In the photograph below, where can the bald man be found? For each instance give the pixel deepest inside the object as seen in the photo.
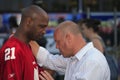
(78, 60)
(16, 59)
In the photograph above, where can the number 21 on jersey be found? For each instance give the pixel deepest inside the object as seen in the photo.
(9, 53)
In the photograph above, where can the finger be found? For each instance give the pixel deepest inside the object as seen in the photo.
(50, 77)
(41, 77)
(45, 75)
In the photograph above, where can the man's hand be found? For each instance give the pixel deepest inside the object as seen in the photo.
(45, 76)
(35, 47)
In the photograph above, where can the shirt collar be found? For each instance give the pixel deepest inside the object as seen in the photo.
(83, 51)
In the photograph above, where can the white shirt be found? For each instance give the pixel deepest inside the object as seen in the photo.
(87, 64)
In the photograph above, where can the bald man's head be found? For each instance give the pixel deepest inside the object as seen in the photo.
(33, 22)
(68, 26)
(67, 35)
(32, 11)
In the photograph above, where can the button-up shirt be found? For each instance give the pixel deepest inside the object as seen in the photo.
(88, 64)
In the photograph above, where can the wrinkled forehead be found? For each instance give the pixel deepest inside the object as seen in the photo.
(57, 34)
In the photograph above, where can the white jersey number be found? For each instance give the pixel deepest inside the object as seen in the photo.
(9, 53)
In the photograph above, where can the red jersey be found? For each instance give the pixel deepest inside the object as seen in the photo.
(17, 61)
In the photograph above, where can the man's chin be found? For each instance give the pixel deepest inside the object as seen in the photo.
(65, 56)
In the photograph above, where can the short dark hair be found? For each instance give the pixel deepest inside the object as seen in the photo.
(92, 23)
(13, 22)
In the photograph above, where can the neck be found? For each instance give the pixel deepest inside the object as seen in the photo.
(21, 36)
(79, 44)
(93, 35)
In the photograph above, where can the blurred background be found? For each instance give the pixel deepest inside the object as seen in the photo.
(107, 11)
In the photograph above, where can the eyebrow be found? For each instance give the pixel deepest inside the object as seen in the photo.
(42, 25)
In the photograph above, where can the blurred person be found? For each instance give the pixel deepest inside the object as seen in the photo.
(16, 58)
(90, 30)
(13, 24)
(79, 60)
(118, 34)
(61, 19)
(3, 27)
(1, 24)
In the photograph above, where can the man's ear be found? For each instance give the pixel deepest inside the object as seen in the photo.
(29, 21)
(68, 37)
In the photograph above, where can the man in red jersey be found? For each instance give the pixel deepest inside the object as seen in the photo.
(16, 59)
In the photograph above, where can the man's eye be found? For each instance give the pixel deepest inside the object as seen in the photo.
(42, 26)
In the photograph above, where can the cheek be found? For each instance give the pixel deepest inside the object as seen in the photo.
(62, 47)
(65, 47)
(85, 32)
(42, 31)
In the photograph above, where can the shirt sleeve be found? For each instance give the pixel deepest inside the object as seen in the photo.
(53, 62)
(12, 65)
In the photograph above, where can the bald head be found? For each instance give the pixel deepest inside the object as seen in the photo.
(67, 35)
(33, 23)
(68, 26)
(32, 11)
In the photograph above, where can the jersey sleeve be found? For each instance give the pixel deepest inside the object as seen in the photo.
(12, 66)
